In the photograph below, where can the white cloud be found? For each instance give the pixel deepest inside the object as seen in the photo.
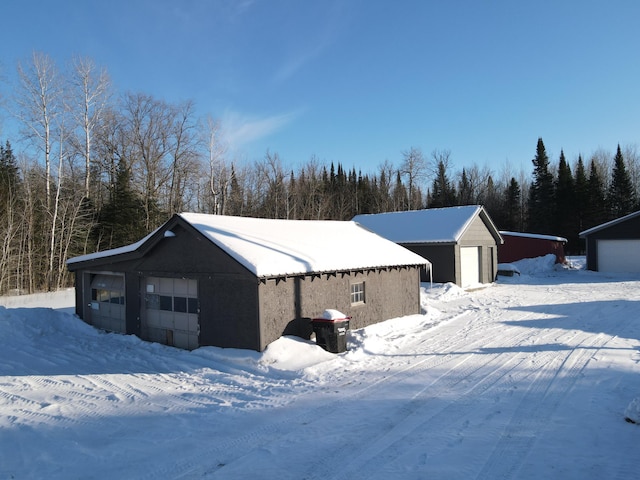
(239, 130)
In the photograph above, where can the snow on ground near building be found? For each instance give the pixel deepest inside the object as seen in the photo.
(529, 378)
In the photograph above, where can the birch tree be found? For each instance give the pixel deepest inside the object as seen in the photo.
(88, 101)
(39, 102)
(220, 177)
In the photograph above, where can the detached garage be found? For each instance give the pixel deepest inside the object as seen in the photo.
(460, 242)
(243, 282)
(614, 246)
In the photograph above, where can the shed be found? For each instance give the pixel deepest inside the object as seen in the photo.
(460, 242)
(614, 246)
(244, 282)
(518, 245)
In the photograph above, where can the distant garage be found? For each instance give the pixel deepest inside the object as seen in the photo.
(614, 246)
(460, 242)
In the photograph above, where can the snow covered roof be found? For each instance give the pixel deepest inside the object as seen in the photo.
(114, 251)
(534, 235)
(609, 224)
(433, 225)
(269, 247)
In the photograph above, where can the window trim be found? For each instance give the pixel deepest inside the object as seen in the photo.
(357, 293)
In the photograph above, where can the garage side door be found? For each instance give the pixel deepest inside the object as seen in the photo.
(171, 312)
(619, 255)
(469, 265)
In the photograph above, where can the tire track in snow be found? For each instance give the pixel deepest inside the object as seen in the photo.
(350, 393)
(319, 468)
(472, 334)
(422, 416)
(536, 407)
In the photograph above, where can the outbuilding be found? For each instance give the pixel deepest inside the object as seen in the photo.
(518, 246)
(614, 246)
(244, 282)
(460, 242)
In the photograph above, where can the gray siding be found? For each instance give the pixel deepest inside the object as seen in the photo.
(229, 313)
(477, 234)
(442, 258)
(288, 305)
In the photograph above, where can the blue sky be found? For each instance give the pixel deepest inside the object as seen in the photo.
(359, 82)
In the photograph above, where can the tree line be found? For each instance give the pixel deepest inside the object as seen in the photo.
(100, 170)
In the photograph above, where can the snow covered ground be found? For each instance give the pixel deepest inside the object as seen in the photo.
(529, 378)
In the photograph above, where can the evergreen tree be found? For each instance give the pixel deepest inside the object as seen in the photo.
(9, 176)
(443, 194)
(465, 192)
(235, 195)
(581, 189)
(596, 212)
(513, 207)
(621, 195)
(541, 198)
(493, 202)
(121, 220)
(400, 196)
(565, 213)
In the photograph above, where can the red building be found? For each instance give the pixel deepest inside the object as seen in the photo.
(517, 246)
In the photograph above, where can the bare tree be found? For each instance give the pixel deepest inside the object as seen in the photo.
(414, 169)
(386, 174)
(219, 175)
(184, 156)
(39, 102)
(148, 123)
(88, 101)
(271, 186)
(632, 159)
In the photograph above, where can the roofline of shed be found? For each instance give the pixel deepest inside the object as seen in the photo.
(611, 223)
(340, 272)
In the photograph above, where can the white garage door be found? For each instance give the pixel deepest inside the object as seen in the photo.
(619, 255)
(469, 265)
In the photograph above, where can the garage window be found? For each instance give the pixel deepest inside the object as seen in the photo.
(170, 303)
(357, 293)
(107, 289)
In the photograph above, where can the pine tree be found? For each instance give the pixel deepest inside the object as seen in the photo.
(121, 220)
(9, 177)
(565, 214)
(235, 195)
(465, 192)
(581, 189)
(513, 207)
(400, 196)
(621, 195)
(596, 212)
(443, 194)
(8, 168)
(541, 198)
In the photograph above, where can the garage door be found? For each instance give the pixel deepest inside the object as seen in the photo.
(619, 255)
(107, 308)
(171, 312)
(469, 265)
